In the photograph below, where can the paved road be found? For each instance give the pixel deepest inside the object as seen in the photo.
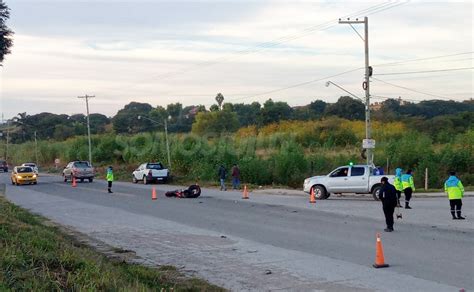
(270, 242)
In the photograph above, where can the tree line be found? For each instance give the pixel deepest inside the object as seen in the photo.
(438, 118)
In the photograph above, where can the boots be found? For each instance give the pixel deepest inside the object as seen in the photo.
(407, 206)
(110, 191)
(454, 215)
(459, 216)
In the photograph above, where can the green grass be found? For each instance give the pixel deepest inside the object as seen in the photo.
(36, 256)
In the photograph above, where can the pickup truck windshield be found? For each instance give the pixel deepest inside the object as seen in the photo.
(24, 169)
(157, 166)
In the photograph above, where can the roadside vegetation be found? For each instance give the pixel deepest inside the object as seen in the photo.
(35, 256)
(273, 144)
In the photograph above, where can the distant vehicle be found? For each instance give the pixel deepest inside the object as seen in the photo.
(151, 172)
(23, 175)
(3, 165)
(79, 170)
(32, 165)
(346, 179)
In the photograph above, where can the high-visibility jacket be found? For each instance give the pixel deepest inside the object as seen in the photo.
(397, 181)
(454, 188)
(407, 181)
(110, 175)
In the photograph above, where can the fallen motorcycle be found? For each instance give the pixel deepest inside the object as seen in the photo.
(193, 191)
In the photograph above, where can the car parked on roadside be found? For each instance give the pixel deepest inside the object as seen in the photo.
(151, 172)
(3, 166)
(23, 175)
(80, 170)
(32, 165)
(359, 179)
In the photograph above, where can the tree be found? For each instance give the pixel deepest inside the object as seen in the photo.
(317, 108)
(126, 120)
(348, 108)
(6, 40)
(220, 99)
(247, 113)
(274, 112)
(215, 123)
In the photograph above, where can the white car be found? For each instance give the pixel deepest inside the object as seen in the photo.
(358, 179)
(150, 172)
(32, 165)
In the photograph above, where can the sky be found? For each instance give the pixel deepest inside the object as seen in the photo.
(163, 52)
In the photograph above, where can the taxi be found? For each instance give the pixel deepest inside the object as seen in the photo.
(23, 175)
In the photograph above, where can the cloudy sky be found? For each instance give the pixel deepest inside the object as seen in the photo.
(187, 51)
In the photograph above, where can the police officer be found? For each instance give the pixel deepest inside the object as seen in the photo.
(397, 182)
(408, 187)
(455, 190)
(388, 196)
(110, 178)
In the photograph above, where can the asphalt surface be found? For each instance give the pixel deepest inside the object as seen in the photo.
(269, 242)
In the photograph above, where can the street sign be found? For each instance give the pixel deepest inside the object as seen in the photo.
(368, 143)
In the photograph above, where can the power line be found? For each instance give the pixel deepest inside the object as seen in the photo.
(427, 71)
(421, 59)
(413, 90)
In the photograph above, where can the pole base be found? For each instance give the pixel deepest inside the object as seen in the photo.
(380, 266)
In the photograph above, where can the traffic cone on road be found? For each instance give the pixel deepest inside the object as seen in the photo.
(379, 258)
(245, 194)
(312, 198)
(74, 184)
(153, 194)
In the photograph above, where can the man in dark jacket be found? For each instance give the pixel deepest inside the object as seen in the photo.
(388, 196)
(222, 176)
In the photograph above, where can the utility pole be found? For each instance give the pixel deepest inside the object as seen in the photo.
(366, 84)
(86, 97)
(167, 144)
(36, 150)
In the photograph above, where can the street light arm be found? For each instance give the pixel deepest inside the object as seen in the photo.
(151, 120)
(330, 82)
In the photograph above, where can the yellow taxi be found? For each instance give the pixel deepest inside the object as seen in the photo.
(23, 175)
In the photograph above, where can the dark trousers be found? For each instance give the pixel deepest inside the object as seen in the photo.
(399, 195)
(109, 183)
(388, 209)
(456, 205)
(408, 192)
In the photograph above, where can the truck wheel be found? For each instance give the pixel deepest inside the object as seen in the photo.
(376, 191)
(82, 180)
(65, 178)
(91, 179)
(320, 192)
(134, 180)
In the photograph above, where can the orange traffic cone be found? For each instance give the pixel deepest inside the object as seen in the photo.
(153, 194)
(379, 258)
(245, 194)
(74, 184)
(312, 198)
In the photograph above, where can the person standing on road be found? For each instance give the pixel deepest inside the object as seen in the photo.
(235, 177)
(388, 196)
(397, 182)
(222, 175)
(110, 179)
(408, 187)
(455, 190)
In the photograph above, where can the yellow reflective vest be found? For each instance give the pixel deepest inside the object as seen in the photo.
(454, 188)
(407, 181)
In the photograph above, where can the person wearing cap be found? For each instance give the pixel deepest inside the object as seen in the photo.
(455, 190)
(110, 178)
(408, 187)
(388, 196)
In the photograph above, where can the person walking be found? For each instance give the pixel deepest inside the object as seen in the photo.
(388, 196)
(397, 183)
(235, 177)
(408, 187)
(455, 190)
(110, 179)
(222, 175)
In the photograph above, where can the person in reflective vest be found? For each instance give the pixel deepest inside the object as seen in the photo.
(455, 190)
(408, 187)
(397, 183)
(110, 179)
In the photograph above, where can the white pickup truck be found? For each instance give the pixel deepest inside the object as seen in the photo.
(346, 179)
(150, 172)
